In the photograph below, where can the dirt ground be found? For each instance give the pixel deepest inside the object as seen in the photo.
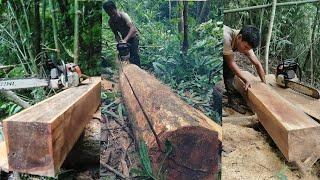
(248, 151)
(118, 151)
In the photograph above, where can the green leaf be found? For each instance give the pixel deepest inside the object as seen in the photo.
(11, 109)
(120, 111)
(144, 157)
(17, 109)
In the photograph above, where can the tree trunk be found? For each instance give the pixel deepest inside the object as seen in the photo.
(205, 11)
(273, 12)
(37, 28)
(185, 44)
(158, 115)
(43, 24)
(312, 45)
(63, 5)
(55, 33)
(180, 25)
(169, 4)
(29, 39)
(16, 99)
(76, 32)
(260, 31)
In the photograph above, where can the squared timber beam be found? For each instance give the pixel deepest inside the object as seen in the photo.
(39, 138)
(295, 133)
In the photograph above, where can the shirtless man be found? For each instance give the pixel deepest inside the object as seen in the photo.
(122, 25)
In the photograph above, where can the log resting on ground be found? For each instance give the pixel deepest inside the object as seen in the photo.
(195, 138)
(295, 133)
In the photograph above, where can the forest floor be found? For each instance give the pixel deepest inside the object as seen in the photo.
(248, 151)
(119, 154)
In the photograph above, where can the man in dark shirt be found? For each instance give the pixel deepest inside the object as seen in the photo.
(122, 25)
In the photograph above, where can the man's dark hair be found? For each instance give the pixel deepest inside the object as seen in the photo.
(251, 35)
(109, 5)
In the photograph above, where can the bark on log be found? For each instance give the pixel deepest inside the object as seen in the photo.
(39, 138)
(295, 133)
(195, 138)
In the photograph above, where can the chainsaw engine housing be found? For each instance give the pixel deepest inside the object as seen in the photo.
(124, 51)
(288, 70)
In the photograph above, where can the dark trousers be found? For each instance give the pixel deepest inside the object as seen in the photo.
(134, 51)
(217, 100)
(228, 77)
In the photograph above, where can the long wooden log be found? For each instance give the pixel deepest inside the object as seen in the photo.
(295, 133)
(309, 105)
(39, 138)
(158, 114)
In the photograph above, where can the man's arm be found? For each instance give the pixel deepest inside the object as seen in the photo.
(237, 71)
(132, 32)
(254, 60)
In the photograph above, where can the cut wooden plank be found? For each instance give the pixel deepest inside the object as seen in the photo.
(195, 138)
(39, 138)
(3, 157)
(309, 105)
(295, 133)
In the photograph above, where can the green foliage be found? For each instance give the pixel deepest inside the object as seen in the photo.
(10, 108)
(147, 172)
(281, 174)
(18, 42)
(192, 75)
(291, 31)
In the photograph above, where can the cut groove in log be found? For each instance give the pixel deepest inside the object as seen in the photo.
(39, 138)
(195, 138)
(295, 133)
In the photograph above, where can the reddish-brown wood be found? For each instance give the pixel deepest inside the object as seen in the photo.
(295, 133)
(196, 139)
(39, 138)
(309, 105)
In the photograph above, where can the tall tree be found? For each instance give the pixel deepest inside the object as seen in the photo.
(63, 5)
(76, 32)
(273, 13)
(185, 44)
(37, 27)
(205, 11)
(55, 32)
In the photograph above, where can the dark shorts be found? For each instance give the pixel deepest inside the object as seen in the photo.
(134, 51)
(228, 78)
